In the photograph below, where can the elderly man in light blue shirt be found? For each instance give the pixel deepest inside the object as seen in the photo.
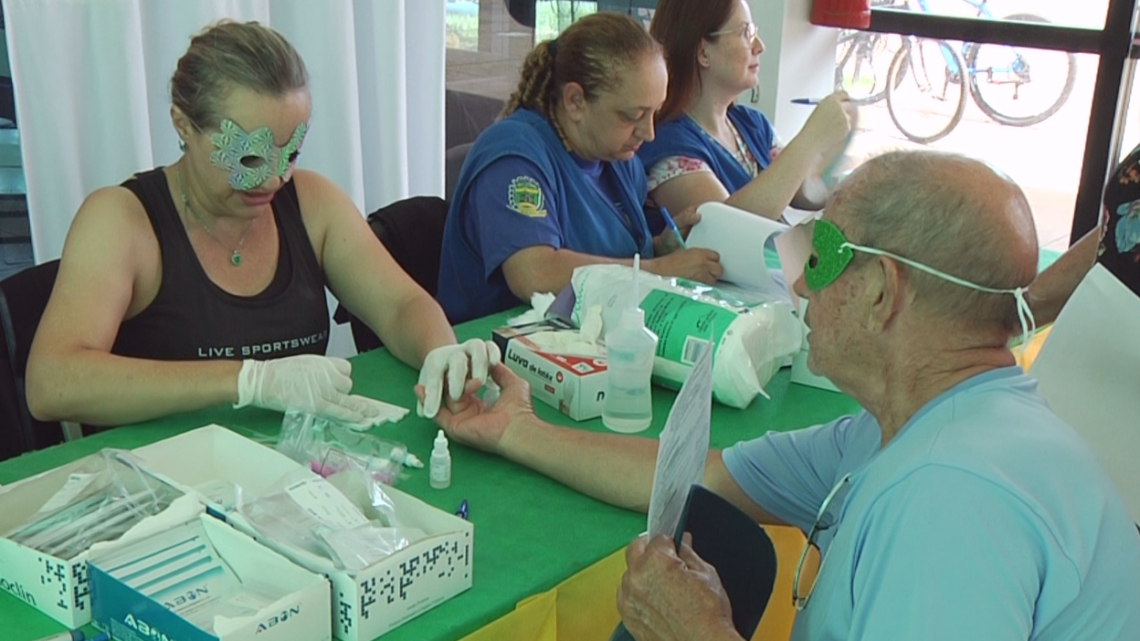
(956, 506)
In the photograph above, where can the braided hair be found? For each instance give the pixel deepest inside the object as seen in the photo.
(591, 52)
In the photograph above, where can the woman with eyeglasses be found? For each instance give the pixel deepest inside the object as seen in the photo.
(556, 184)
(708, 148)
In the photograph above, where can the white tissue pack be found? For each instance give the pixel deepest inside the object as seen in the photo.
(565, 369)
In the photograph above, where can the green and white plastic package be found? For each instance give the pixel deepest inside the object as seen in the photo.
(750, 342)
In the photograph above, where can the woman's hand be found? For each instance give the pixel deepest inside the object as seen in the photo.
(829, 125)
(695, 263)
(482, 425)
(464, 367)
(666, 242)
(829, 131)
(686, 219)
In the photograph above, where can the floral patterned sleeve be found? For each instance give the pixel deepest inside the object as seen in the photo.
(777, 146)
(669, 168)
(1120, 240)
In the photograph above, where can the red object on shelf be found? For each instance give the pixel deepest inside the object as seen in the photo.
(849, 14)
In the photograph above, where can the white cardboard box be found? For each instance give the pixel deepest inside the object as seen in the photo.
(574, 385)
(56, 586)
(367, 603)
(128, 615)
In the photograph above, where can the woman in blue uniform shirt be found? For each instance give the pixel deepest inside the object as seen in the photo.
(556, 184)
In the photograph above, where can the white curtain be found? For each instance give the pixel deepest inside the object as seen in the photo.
(92, 93)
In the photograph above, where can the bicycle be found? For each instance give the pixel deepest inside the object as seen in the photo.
(862, 59)
(926, 95)
(988, 69)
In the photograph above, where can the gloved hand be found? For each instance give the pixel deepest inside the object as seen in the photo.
(308, 383)
(455, 362)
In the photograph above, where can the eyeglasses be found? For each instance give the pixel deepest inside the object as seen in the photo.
(747, 31)
(800, 602)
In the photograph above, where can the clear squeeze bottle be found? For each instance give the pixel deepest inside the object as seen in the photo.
(630, 347)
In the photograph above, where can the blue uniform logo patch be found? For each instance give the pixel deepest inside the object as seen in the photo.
(524, 196)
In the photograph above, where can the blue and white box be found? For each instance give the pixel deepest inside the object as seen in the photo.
(57, 585)
(205, 581)
(366, 603)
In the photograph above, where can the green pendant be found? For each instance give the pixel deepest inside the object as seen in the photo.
(236, 259)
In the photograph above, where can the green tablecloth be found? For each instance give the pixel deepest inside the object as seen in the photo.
(530, 532)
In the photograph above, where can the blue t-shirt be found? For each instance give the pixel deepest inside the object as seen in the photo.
(986, 517)
(520, 188)
(682, 136)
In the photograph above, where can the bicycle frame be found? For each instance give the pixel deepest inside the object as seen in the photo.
(976, 67)
(1016, 66)
(980, 5)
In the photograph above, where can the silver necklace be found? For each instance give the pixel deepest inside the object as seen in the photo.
(235, 252)
(742, 150)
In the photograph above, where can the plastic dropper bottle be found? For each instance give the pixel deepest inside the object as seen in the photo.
(630, 348)
(440, 473)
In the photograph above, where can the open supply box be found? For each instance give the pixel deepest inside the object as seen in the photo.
(366, 603)
(573, 384)
(205, 581)
(57, 584)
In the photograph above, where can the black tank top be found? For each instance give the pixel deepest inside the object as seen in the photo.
(191, 318)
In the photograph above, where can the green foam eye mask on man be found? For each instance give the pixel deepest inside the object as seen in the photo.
(832, 255)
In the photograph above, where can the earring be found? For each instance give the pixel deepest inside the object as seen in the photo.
(181, 145)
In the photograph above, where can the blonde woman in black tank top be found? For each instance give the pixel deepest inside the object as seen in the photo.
(202, 283)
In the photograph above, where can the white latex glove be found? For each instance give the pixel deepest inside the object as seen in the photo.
(455, 362)
(308, 383)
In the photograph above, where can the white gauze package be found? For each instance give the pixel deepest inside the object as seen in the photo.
(750, 342)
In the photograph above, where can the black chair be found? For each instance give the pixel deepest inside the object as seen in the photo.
(23, 298)
(412, 231)
(740, 550)
(453, 164)
(467, 115)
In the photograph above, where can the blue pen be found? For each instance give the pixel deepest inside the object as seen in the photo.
(462, 511)
(672, 225)
(805, 101)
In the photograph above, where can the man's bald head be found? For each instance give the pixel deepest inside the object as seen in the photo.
(949, 212)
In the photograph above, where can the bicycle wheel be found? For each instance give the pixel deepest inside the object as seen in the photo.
(862, 61)
(1020, 86)
(925, 93)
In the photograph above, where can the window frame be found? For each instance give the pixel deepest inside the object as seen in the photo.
(1116, 45)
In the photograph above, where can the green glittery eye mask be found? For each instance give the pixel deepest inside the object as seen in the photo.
(833, 253)
(252, 158)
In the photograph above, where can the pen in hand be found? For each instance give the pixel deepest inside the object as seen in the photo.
(673, 226)
(805, 101)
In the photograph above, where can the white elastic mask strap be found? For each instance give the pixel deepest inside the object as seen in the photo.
(1024, 314)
